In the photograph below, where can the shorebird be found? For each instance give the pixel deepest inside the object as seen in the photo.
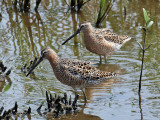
(73, 72)
(100, 41)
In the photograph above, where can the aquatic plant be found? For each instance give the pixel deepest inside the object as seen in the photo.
(76, 5)
(26, 67)
(125, 7)
(24, 5)
(37, 4)
(148, 24)
(13, 113)
(3, 70)
(104, 9)
(4, 75)
(57, 106)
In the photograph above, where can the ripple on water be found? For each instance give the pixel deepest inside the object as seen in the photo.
(24, 35)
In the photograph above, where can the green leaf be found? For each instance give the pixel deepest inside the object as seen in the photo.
(149, 24)
(146, 18)
(102, 4)
(7, 87)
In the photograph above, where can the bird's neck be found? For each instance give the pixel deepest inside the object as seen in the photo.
(88, 35)
(89, 30)
(53, 59)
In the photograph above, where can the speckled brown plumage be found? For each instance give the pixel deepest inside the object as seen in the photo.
(100, 41)
(74, 72)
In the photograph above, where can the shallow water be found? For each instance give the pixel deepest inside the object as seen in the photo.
(24, 35)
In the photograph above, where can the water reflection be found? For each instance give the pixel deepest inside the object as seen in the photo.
(140, 106)
(77, 116)
(81, 116)
(91, 89)
(23, 35)
(24, 27)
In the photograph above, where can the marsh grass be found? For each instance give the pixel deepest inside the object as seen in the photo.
(76, 5)
(104, 9)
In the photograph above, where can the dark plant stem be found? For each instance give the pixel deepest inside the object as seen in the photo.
(79, 4)
(143, 52)
(66, 3)
(105, 13)
(86, 2)
(140, 106)
(73, 3)
(15, 3)
(37, 4)
(125, 11)
(21, 5)
(26, 5)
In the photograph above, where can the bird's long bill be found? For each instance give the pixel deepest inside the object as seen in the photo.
(34, 66)
(78, 31)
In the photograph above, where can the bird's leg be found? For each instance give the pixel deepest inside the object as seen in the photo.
(105, 59)
(100, 59)
(75, 93)
(85, 98)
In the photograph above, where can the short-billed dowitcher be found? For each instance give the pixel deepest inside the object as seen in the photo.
(100, 41)
(73, 72)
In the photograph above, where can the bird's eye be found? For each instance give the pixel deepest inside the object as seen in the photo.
(44, 52)
(82, 25)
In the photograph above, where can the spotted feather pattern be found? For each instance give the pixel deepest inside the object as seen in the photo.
(112, 37)
(102, 41)
(81, 70)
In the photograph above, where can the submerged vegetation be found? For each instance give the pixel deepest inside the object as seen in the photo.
(3, 70)
(57, 106)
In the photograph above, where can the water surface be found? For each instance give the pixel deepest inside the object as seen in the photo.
(24, 35)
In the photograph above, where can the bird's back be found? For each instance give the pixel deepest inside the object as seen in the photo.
(102, 31)
(108, 37)
(77, 72)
